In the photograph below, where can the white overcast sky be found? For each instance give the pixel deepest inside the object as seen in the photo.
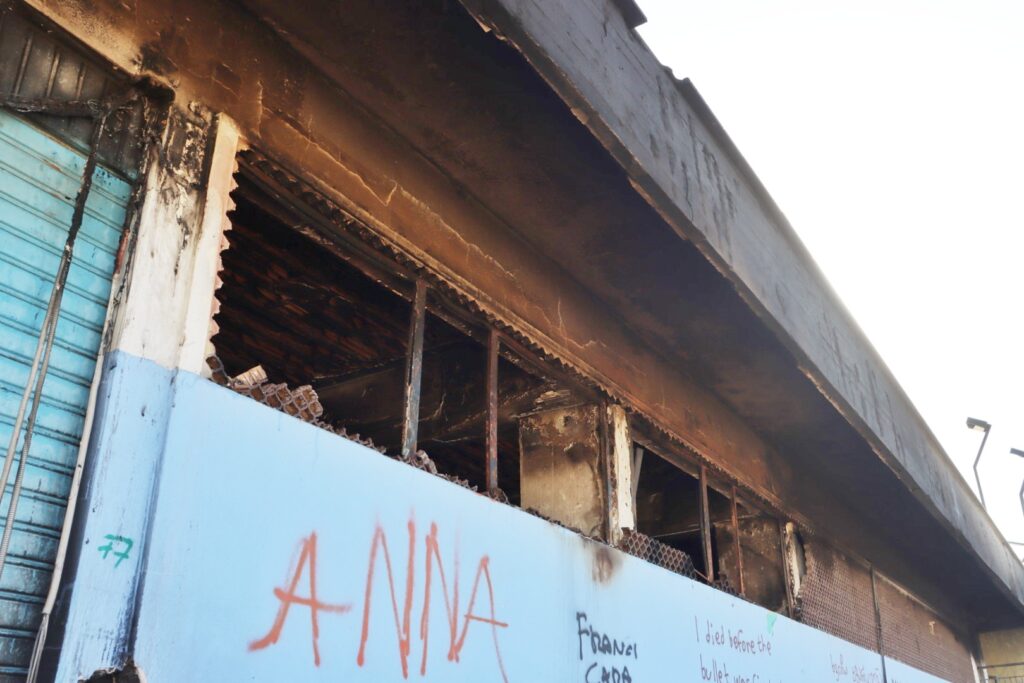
(891, 134)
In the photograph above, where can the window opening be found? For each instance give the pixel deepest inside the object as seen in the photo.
(669, 509)
(454, 411)
(315, 327)
(294, 319)
(744, 545)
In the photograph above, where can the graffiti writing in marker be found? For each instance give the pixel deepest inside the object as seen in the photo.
(395, 599)
(120, 546)
(608, 652)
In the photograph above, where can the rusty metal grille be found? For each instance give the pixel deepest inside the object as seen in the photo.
(656, 552)
(835, 596)
(914, 635)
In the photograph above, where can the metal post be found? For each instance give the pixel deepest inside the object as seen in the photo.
(736, 544)
(414, 370)
(493, 347)
(44, 345)
(705, 526)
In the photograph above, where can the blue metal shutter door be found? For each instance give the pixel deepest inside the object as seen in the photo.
(39, 179)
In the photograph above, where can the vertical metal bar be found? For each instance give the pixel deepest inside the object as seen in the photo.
(736, 544)
(790, 601)
(493, 347)
(414, 369)
(44, 346)
(705, 525)
(878, 624)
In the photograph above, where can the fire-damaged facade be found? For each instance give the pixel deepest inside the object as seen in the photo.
(445, 340)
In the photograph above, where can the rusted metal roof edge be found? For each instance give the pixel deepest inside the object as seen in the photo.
(963, 516)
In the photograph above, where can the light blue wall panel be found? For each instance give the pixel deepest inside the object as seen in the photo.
(39, 180)
(228, 566)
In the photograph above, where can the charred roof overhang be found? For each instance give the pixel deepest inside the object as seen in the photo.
(594, 155)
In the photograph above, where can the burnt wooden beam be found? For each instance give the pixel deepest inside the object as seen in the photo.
(621, 503)
(414, 369)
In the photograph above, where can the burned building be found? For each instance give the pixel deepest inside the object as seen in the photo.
(438, 340)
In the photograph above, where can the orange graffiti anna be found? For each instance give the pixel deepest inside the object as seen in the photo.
(379, 547)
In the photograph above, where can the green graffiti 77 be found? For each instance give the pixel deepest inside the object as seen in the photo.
(123, 545)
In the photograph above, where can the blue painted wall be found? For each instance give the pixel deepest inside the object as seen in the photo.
(252, 503)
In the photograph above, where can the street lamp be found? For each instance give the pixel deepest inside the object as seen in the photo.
(979, 426)
(1020, 453)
